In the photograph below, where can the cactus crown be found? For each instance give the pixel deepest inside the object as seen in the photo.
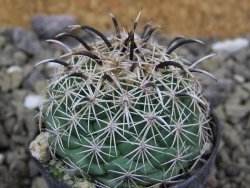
(125, 111)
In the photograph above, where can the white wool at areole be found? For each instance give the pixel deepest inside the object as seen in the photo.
(230, 45)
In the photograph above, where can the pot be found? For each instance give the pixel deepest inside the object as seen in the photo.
(196, 180)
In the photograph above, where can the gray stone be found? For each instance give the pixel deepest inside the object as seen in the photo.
(39, 182)
(220, 112)
(26, 41)
(2, 41)
(34, 80)
(238, 96)
(232, 170)
(4, 141)
(15, 74)
(1, 158)
(47, 26)
(6, 59)
(218, 92)
(30, 124)
(242, 71)
(232, 137)
(5, 81)
(19, 167)
(9, 49)
(20, 58)
(4, 177)
(10, 124)
(246, 86)
(14, 155)
(237, 111)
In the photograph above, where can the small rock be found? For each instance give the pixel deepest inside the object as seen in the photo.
(10, 124)
(34, 80)
(2, 41)
(217, 93)
(20, 58)
(239, 78)
(4, 141)
(232, 137)
(246, 86)
(237, 111)
(39, 147)
(26, 41)
(247, 178)
(230, 46)
(238, 97)
(6, 59)
(220, 112)
(242, 71)
(47, 26)
(19, 167)
(5, 81)
(16, 76)
(39, 182)
(32, 101)
(19, 153)
(232, 170)
(1, 158)
(4, 177)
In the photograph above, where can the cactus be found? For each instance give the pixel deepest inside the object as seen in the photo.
(124, 111)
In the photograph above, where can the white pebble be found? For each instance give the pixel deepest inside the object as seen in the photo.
(32, 101)
(230, 45)
(239, 78)
(39, 147)
(14, 69)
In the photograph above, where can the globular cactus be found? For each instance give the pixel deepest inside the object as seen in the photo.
(124, 111)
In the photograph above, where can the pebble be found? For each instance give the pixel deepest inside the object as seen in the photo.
(9, 125)
(15, 74)
(2, 41)
(232, 170)
(230, 46)
(4, 177)
(26, 41)
(238, 111)
(246, 86)
(35, 81)
(32, 101)
(39, 182)
(20, 58)
(4, 143)
(1, 158)
(47, 26)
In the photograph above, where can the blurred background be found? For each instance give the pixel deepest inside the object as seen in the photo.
(189, 17)
(222, 24)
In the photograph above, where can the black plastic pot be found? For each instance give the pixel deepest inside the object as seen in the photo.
(196, 180)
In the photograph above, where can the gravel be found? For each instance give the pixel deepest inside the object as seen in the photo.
(47, 26)
(19, 82)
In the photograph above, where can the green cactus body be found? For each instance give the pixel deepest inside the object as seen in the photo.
(126, 111)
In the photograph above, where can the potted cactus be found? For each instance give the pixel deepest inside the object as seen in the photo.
(124, 111)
